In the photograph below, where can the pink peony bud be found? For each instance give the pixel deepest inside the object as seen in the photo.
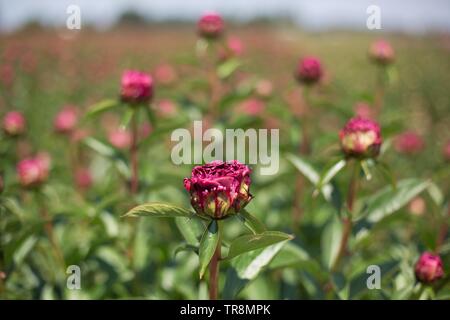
(446, 151)
(429, 268)
(14, 123)
(361, 138)
(381, 52)
(165, 74)
(83, 178)
(137, 87)
(309, 70)
(66, 120)
(119, 138)
(251, 106)
(210, 26)
(32, 172)
(219, 189)
(408, 143)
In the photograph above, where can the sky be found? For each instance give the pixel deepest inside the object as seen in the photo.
(416, 16)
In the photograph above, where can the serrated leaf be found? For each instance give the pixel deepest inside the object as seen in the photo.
(159, 210)
(251, 222)
(252, 242)
(101, 107)
(208, 245)
(387, 200)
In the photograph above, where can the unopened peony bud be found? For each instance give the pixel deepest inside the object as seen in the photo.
(381, 52)
(137, 87)
(408, 143)
(361, 138)
(32, 172)
(429, 268)
(121, 139)
(309, 70)
(219, 189)
(66, 120)
(210, 26)
(14, 124)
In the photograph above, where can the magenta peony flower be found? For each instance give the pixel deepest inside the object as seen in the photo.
(66, 120)
(381, 52)
(32, 172)
(309, 70)
(429, 268)
(446, 151)
(14, 123)
(409, 143)
(137, 87)
(121, 139)
(219, 189)
(361, 138)
(83, 178)
(210, 26)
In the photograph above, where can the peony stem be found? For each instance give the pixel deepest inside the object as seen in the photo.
(214, 274)
(379, 92)
(134, 184)
(347, 221)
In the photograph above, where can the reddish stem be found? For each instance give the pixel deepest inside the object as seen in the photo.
(214, 275)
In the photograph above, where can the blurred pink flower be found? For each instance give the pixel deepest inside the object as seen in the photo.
(144, 130)
(409, 143)
(165, 74)
(137, 87)
(83, 178)
(264, 88)
(32, 172)
(381, 52)
(66, 120)
(14, 123)
(210, 25)
(6, 75)
(167, 107)
(120, 138)
(251, 106)
(363, 110)
(417, 206)
(309, 70)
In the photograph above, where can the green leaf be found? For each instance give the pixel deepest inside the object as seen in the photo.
(100, 147)
(101, 107)
(387, 200)
(387, 173)
(249, 265)
(186, 247)
(330, 173)
(233, 284)
(159, 210)
(251, 222)
(227, 68)
(252, 242)
(191, 229)
(330, 241)
(311, 174)
(208, 245)
(126, 119)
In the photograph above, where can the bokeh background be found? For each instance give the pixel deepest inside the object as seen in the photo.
(44, 66)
